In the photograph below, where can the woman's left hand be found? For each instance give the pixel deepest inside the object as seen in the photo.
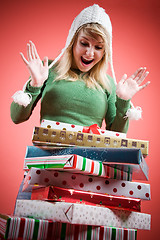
(128, 87)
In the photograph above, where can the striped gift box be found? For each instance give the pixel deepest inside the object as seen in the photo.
(24, 228)
(128, 160)
(28, 229)
(76, 163)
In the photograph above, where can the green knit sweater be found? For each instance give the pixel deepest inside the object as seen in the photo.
(73, 102)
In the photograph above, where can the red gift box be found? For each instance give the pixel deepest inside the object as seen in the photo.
(58, 194)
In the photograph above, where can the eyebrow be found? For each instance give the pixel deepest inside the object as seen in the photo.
(88, 39)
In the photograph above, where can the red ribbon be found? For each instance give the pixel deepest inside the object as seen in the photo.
(91, 129)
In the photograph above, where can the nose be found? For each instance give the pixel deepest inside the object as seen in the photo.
(90, 52)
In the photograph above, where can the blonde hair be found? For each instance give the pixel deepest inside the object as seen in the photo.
(97, 76)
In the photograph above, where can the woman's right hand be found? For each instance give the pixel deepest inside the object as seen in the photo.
(37, 69)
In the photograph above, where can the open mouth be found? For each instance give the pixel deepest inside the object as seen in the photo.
(87, 62)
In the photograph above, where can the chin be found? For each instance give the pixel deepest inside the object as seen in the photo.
(85, 69)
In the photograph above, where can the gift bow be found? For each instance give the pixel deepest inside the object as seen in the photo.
(91, 129)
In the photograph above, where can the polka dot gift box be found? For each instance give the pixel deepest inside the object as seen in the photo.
(37, 178)
(95, 129)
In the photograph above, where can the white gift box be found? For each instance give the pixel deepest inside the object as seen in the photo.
(41, 177)
(82, 214)
(76, 128)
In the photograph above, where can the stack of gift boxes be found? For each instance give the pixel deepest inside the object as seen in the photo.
(80, 186)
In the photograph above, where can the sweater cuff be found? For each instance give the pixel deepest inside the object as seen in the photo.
(122, 105)
(33, 90)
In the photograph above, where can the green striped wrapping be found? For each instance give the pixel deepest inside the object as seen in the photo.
(79, 164)
(28, 228)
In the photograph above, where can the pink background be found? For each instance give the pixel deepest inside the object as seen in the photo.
(136, 37)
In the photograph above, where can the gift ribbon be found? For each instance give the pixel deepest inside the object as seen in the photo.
(91, 129)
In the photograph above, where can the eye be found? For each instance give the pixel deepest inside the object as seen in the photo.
(98, 47)
(85, 44)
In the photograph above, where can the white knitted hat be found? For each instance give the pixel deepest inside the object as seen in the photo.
(91, 14)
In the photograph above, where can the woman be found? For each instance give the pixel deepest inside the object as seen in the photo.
(75, 88)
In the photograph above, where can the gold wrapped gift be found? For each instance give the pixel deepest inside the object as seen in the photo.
(53, 137)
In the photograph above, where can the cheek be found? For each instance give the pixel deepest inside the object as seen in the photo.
(99, 56)
(76, 52)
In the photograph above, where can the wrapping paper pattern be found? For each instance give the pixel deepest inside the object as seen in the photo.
(76, 128)
(45, 136)
(127, 160)
(37, 178)
(12, 227)
(57, 194)
(82, 214)
(28, 229)
(76, 163)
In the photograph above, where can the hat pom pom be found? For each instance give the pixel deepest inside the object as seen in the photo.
(134, 113)
(22, 98)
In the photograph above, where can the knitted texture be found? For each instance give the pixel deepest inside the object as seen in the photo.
(91, 14)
